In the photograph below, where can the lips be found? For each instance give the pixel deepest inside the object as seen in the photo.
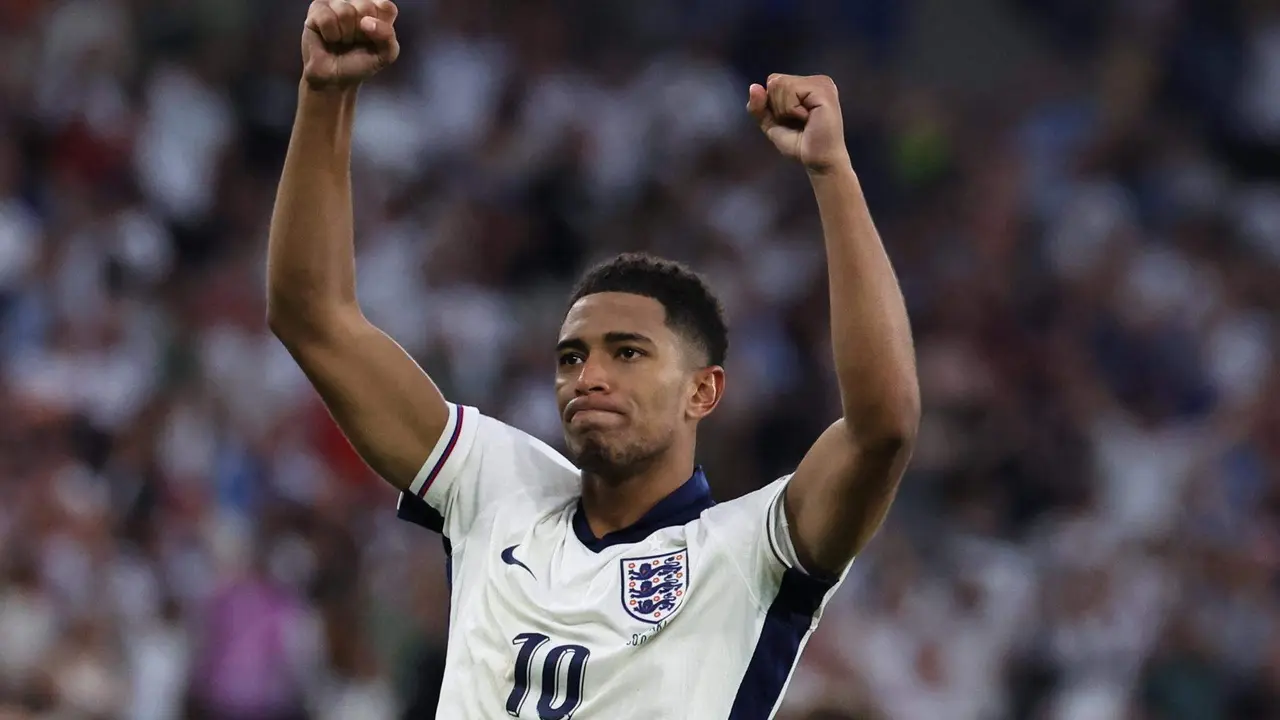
(592, 405)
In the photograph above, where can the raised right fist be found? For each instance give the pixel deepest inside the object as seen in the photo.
(348, 41)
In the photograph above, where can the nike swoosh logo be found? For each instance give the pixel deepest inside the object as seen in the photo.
(509, 557)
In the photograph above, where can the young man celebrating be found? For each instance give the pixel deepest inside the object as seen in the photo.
(611, 586)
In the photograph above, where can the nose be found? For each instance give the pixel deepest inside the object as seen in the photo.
(592, 378)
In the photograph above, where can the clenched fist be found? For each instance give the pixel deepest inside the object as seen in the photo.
(801, 115)
(348, 41)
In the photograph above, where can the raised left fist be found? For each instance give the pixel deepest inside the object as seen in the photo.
(801, 115)
(346, 42)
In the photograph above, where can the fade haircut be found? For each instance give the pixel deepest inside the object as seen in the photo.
(692, 310)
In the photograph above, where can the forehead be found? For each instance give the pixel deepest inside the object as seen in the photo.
(595, 315)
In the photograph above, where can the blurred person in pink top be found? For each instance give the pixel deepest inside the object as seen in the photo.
(254, 654)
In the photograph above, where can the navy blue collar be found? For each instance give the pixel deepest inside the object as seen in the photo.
(682, 506)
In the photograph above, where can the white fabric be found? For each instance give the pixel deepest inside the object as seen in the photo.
(555, 605)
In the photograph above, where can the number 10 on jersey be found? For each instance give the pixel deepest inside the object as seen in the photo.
(556, 675)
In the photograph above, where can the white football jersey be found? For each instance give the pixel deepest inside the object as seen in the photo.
(697, 611)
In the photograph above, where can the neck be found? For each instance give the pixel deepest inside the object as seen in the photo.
(616, 503)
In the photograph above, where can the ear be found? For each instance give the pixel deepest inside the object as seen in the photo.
(707, 387)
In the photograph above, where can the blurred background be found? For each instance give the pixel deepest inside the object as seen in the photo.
(1081, 198)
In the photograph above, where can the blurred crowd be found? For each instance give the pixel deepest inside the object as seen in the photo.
(1081, 199)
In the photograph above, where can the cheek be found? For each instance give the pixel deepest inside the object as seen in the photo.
(666, 401)
(563, 389)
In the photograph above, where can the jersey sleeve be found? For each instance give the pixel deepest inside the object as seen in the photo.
(477, 462)
(753, 532)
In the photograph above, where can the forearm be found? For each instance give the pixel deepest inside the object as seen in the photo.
(870, 332)
(311, 256)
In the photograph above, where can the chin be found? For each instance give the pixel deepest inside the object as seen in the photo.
(608, 460)
(588, 451)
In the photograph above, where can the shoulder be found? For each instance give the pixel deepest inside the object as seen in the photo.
(736, 537)
(747, 511)
(742, 528)
(480, 464)
(519, 457)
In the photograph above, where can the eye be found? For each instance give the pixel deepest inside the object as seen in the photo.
(630, 353)
(571, 358)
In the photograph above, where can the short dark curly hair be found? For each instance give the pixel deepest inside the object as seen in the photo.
(692, 308)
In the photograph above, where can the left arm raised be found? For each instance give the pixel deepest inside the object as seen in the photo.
(842, 490)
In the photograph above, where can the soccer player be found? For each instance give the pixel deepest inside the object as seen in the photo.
(607, 585)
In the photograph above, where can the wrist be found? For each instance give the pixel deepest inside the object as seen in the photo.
(326, 99)
(328, 90)
(840, 168)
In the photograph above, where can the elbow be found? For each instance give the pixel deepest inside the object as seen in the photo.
(280, 310)
(280, 321)
(904, 422)
(890, 428)
(292, 324)
(890, 442)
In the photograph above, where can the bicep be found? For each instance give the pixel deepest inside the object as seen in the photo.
(840, 495)
(387, 407)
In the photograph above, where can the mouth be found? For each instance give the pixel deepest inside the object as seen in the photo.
(581, 412)
(592, 417)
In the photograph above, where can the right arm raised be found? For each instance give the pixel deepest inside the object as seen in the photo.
(388, 408)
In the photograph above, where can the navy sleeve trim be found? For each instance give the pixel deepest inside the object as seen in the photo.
(416, 510)
(787, 624)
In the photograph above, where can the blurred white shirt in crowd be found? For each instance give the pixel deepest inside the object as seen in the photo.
(185, 131)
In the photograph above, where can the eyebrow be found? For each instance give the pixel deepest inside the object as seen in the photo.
(610, 338)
